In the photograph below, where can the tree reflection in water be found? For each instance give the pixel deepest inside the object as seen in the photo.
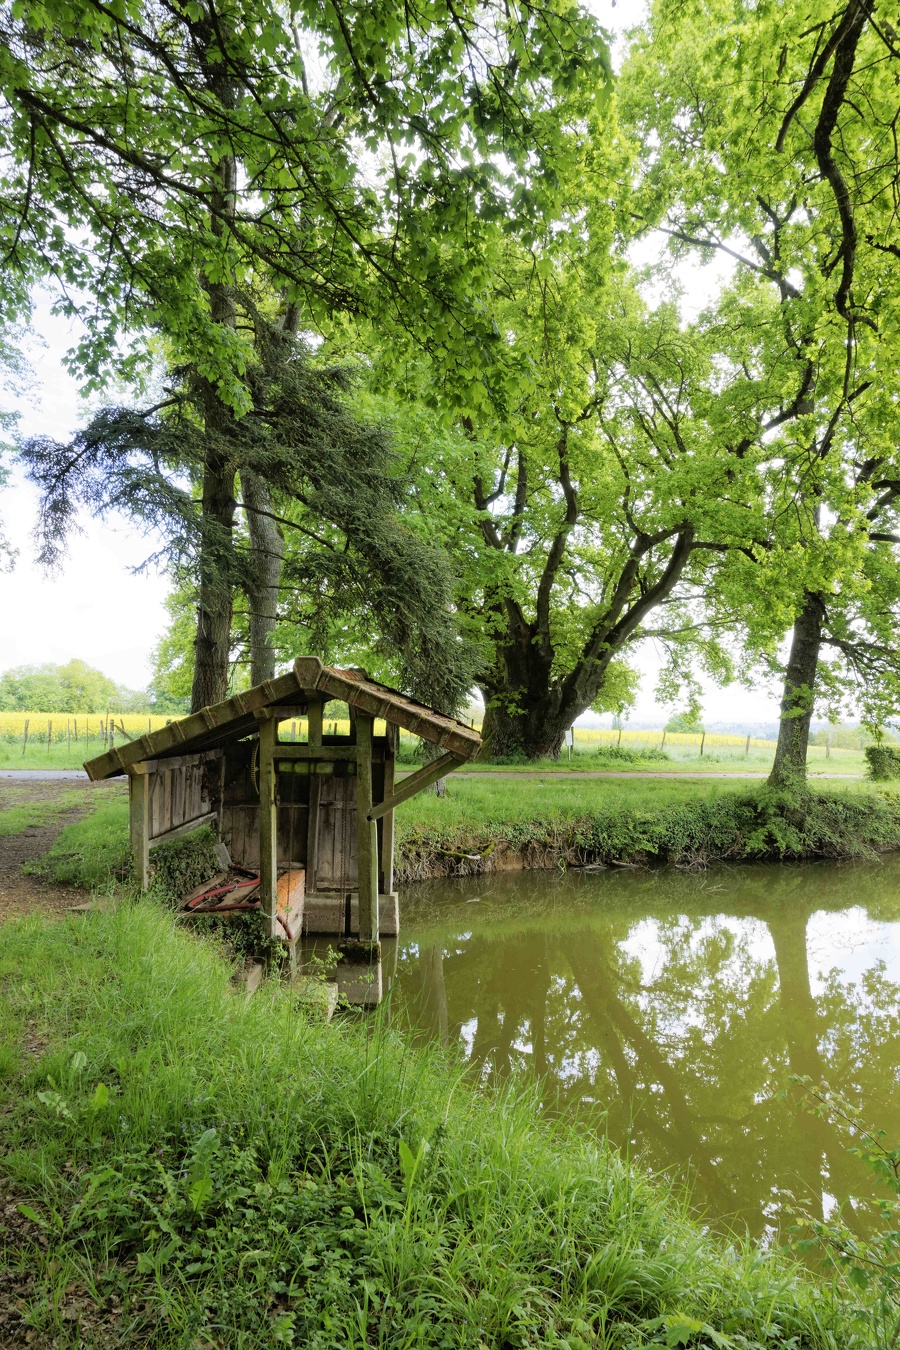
(680, 1006)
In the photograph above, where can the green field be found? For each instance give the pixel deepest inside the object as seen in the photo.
(37, 756)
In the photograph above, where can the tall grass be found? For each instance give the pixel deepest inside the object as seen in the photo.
(195, 1169)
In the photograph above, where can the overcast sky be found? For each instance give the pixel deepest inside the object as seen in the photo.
(97, 608)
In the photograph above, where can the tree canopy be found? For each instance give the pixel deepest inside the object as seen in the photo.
(400, 388)
(74, 687)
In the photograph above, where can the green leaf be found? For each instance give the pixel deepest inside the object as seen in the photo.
(100, 1097)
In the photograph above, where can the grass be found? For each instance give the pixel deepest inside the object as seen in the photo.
(472, 801)
(39, 757)
(638, 759)
(194, 1169)
(545, 822)
(90, 851)
(25, 814)
(548, 822)
(676, 761)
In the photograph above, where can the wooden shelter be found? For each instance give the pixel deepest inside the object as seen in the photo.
(324, 806)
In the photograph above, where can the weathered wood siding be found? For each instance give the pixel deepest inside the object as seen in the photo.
(336, 868)
(240, 811)
(179, 794)
(337, 834)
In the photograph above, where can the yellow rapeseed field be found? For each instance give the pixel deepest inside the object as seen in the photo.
(93, 729)
(63, 728)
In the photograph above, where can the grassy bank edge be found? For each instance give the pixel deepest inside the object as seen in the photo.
(191, 1164)
(488, 828)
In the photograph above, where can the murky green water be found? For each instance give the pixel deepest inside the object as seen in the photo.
(681, 1005)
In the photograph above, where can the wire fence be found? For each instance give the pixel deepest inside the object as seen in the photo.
(90, 730)
(100, 730)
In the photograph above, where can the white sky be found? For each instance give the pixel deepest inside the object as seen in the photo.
(97, 609)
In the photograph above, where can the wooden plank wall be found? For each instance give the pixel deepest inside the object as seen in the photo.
(179, 793)
(337, 817)
(240, 811)
(337, 828)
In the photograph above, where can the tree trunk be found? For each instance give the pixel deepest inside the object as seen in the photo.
(798, 698)
(536, 732)
(212, 644)
(529, 705)
(266, 558)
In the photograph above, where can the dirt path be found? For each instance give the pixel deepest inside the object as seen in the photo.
(19, 892)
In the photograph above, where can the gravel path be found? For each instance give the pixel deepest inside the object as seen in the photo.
(44, 775)
(19, 892)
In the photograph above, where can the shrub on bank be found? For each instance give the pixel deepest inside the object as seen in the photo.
(759, 824)
(188, 1168)
(884, 761)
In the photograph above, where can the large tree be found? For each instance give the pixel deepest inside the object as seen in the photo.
(310, 471)
(598, 509)
(158, 157)
(766, 138)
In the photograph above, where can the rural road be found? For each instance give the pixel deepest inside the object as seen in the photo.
(43, 775)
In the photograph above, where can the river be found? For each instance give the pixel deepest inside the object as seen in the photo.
(672, 1009)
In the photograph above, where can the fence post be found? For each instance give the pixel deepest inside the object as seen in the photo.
(747, 749)
(49, 735)
(25, 738)
(663, 746)
(702, 743)
(619, 741)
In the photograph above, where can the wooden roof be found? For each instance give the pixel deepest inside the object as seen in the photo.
(236, 717)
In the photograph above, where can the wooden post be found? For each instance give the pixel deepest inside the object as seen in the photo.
(387, 821)
(49, 735)
(314, 712)
(702, 743)
(367, 837)
(25, 738)
(139, 820)
(268, 825)
(747, 749)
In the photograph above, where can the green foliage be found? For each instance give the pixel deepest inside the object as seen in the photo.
(181, 864)
(863, 1248)
(883, 761)
(231, 1171)
(685, 722)
(73, 688)
(369, 151)
(709, 181)
(661, 823)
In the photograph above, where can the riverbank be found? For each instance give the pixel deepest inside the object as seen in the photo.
(183, 1166)
(490, 825)
(485, 827)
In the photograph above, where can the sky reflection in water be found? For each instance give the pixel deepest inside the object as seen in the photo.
(680, 1005)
